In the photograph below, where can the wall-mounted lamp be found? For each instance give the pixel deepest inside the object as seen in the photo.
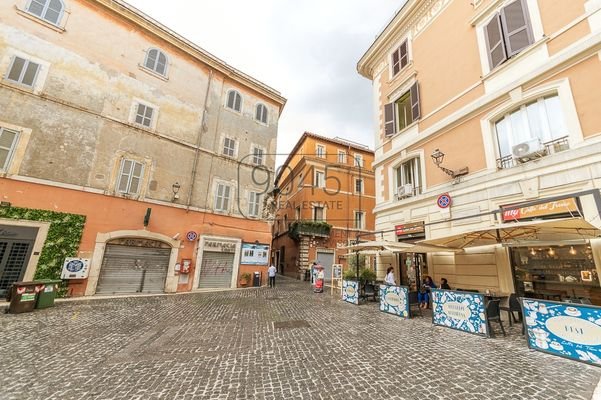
(438, 158)
(175, 188)
(572, 250)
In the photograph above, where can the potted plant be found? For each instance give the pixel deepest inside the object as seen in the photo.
(245, 278)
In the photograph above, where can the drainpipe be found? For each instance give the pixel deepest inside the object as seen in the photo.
(197, 149)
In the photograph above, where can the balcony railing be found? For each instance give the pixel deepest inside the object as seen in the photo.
(552, 147)
(416, 190)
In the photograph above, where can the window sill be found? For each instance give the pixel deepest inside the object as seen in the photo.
(404, 130)
(153, 73)
(232, 110)
(500, 68)
(20, 86)
(39, 20)
(402, 72)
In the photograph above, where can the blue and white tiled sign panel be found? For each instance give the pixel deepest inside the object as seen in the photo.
(395, 300)
(564, 329)
(463, 311)
(350, 291)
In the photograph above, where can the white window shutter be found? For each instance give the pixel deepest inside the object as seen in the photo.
(516, 27)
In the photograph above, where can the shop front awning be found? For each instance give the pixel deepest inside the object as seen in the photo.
(560, 230)
(398, 247)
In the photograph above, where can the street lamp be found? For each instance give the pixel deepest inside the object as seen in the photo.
(438, 158)
(175, 188)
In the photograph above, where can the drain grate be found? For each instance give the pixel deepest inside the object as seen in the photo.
(291, 324)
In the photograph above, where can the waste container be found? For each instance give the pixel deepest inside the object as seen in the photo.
(22, 296)
(257, 279)
(47, 295)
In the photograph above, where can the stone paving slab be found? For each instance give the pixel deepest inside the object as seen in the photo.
(283, 343)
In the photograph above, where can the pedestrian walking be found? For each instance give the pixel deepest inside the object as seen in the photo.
(271, 272)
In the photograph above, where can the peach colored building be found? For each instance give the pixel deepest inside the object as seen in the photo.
(324, 201)
(123, 143)
(493, 103)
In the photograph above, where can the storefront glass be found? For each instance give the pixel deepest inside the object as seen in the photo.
(556, 273)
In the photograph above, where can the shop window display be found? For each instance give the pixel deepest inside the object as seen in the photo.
(561, 273)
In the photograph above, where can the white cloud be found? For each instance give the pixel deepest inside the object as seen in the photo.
(308, 50)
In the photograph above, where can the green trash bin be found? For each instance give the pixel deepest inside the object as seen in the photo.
(23, 296)
(47, 295)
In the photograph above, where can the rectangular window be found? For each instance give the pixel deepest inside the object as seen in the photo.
(254, 202)
(532, 130)
(317, 213)
(358, 185)
(508, 33)
(320, 181)
(222, 197)
(144, 115)
(359, 219)
(297, 213)
(229, 147)
(401, 113)
(23, 71)
(341, 157)
(320, 151)
(130, 177)
(400, 58)
(358, 160)
(257, 156)
(8, 142)
(408, 178)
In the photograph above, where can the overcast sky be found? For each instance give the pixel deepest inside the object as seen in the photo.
(306, 49)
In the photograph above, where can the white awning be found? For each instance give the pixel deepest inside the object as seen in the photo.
(398, 247)
(560, 230)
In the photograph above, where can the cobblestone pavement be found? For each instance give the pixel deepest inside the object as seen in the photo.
(283, 343)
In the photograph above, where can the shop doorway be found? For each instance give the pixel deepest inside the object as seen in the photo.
(326, 259)
(413, 268)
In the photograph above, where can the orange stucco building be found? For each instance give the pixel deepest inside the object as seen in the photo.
(493, 104)
(127, 146)
(325, 200)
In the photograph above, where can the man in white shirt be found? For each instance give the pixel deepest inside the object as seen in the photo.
(271, 271)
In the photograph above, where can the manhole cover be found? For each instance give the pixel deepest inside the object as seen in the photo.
(291, 324)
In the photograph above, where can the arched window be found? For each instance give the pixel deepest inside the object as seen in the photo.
(48, 10)
(234, 100)
(261, 113)
(156, 60)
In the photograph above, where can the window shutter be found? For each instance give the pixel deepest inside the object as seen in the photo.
(494, 42)
(389, 125)
(414, 97)
(396, 67)
(516, 27)
(404, 55)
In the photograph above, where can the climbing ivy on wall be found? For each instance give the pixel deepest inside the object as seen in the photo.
(64, 236)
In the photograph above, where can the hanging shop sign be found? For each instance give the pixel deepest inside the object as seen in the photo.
(395, 300)
(463, 311)
(255, 254)
(565, 206)
(410, 230)
(444, 201)
(350, 292)
(564, 329)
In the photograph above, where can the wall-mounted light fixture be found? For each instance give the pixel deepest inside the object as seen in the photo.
(175, 188)
(438, 158)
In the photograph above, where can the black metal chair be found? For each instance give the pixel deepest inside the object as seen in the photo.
(513, 306)
(414, 303)
(369, 290)
(493, 314)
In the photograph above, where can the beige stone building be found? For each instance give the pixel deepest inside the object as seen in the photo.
(106, 113)
(493, 103)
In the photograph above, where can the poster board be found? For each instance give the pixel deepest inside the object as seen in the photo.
(564, 329)
(336, 284)
(463, 311)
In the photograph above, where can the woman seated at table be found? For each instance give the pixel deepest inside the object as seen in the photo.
(444, 284)
(424, 295)
(390, 277)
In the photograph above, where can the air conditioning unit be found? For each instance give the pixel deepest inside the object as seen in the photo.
(529, 150)
(404, 191)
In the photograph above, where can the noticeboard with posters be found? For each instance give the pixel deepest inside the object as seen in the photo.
(255, 254)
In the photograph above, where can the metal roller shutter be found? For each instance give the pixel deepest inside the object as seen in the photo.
(129, 269)
(216, 270)
(326, 260)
